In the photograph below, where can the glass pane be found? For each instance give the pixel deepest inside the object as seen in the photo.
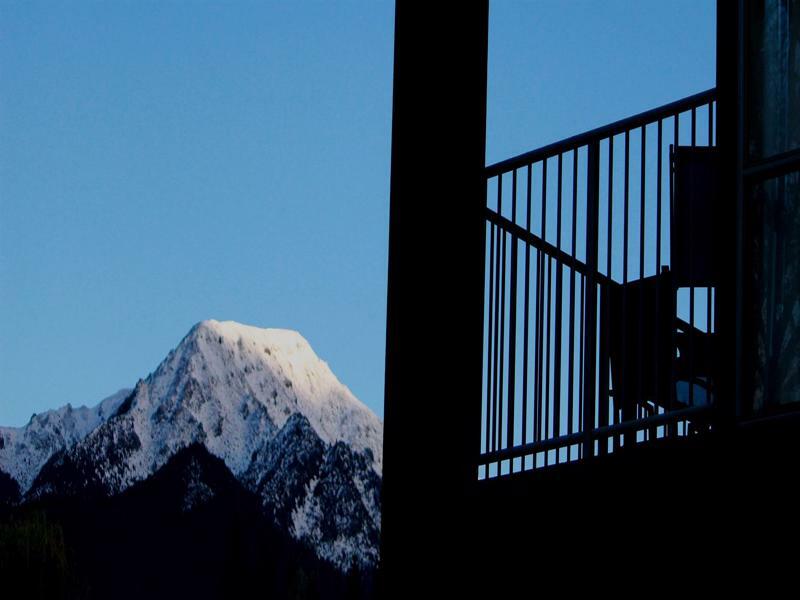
(773, 82)
(776, 279)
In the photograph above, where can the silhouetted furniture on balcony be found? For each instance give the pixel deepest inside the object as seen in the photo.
(658, 361)
(694, 257)
(694, 206)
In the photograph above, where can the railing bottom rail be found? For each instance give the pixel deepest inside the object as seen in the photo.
(599, 433)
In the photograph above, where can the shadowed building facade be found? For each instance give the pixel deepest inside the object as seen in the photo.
(603, 332)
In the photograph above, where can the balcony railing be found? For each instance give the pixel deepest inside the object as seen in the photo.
(599, 299)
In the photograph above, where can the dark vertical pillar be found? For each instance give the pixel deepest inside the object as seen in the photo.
(729, 212)
(435, 294)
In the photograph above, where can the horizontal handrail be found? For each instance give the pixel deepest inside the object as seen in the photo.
(600, 133)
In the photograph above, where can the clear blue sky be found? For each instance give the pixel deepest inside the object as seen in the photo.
(164, 163)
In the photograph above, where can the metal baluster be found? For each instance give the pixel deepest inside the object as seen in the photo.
(512, 325)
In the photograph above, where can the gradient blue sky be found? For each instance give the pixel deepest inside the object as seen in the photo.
(164, 163)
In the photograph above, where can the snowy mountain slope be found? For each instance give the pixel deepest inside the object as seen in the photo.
(24, 450)
(283, 468)
(340, 513)
(264, 403)
(191, 530)
(325, 495)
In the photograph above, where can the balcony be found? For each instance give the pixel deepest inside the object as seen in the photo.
(600, 303)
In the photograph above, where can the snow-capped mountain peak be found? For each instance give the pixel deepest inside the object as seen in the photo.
(231, 386)
(259, 399)
(306, 383)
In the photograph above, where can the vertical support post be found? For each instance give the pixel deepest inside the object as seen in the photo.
(434, 332)
(728, 297)
(590, 348)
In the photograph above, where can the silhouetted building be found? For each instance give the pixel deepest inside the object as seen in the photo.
(592, 348)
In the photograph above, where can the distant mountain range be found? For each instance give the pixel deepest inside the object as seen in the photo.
(232, 406)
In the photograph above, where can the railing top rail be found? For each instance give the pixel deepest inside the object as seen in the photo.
(601, 133)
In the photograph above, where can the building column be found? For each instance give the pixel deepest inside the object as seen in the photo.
(435, 295)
